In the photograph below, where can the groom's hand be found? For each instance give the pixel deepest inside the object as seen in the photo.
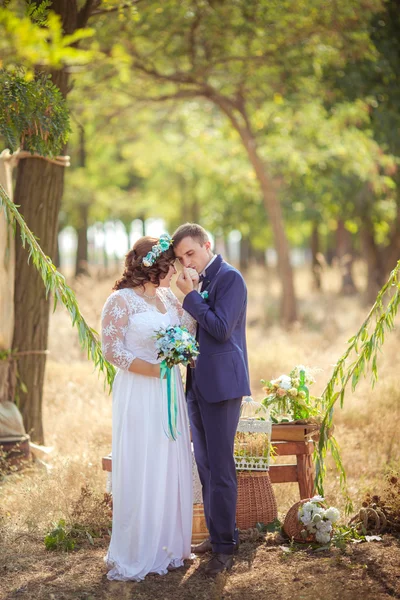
(185, 282)
(194, 276)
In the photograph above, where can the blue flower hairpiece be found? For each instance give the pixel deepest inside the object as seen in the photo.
(162, 245)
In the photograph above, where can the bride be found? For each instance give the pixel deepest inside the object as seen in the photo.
(151, 474)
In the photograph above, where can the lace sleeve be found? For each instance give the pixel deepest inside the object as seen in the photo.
(114, 324)
(184, 318)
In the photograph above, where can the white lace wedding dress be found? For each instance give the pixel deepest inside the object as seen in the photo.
(151, 474)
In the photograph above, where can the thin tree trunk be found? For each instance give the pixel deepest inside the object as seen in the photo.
(274, 211)
(81, 263)
(195, 217)
(105, 255)
(315, 251)
(375, 268)
(128, 233)
(391, 254)
(244, 259)
(346, 259)
(271, 203)
(185, 208)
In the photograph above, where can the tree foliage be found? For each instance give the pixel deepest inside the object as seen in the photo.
(33, 114)
(32, 36)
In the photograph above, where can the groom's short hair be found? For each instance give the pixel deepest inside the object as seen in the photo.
(193, 230)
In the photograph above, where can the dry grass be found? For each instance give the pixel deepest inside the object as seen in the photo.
(77, 419)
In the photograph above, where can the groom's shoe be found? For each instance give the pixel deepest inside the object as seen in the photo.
(206, 546)
(219, 563)
(203, 547)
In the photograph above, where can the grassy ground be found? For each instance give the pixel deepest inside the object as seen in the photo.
(77, 418)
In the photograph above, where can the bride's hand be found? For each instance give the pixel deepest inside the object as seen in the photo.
(194, 276)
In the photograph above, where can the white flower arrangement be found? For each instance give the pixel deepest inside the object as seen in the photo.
(289, 398)
(317, 520)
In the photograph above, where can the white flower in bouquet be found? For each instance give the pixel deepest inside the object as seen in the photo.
(322, 538)
(306, 519)
(318, 521)
(285, 382)
(317, 498)
(332, 514)
(324, 526)
(308, 506)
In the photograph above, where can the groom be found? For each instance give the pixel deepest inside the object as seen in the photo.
(216, 385)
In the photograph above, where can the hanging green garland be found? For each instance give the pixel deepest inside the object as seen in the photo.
(55, 282)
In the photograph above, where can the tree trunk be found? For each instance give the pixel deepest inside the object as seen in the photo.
(346, 259)
(274, 213)
(128, 234)
(235, 111)
(315, 253)
(105, 255)
(81, 263)
(391, 254)
(244, 259)
(190, 206)
(375, 268)
(38, 192)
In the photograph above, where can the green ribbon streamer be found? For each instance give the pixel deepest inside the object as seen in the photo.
(171, 430)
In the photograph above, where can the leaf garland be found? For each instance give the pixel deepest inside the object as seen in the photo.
(55, 282)
(365, 347)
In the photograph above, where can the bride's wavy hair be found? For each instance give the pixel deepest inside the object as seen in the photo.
(136, 274)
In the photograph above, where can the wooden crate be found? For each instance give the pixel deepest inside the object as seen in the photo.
(294, 439)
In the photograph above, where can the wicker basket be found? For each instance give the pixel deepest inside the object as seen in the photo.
(256, 501)
(292, 525)
(199, 530)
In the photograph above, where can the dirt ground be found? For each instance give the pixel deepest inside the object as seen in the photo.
(77, 420)
(264, 569)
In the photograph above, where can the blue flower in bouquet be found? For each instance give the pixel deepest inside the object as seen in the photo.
(175, 345)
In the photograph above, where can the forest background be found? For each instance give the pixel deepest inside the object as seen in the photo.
(274, 125)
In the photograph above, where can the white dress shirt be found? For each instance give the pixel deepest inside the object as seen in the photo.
(204, 271)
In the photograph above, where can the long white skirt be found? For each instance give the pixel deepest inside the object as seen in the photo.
(151, 481)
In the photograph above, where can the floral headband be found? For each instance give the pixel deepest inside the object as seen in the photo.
(162, 245)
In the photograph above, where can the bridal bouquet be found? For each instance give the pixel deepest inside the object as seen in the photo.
(175, 345)
(288, 396)
(317, 520)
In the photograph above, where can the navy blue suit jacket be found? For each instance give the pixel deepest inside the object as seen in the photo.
(221, 371)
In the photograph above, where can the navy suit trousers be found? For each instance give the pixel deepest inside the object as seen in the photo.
(213, 427)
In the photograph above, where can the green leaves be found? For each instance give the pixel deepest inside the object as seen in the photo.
(55, 282)
(365, 344)
(59, 538)
(33, 114)
(36, 39)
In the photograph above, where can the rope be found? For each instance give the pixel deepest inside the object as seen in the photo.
(61, 161)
